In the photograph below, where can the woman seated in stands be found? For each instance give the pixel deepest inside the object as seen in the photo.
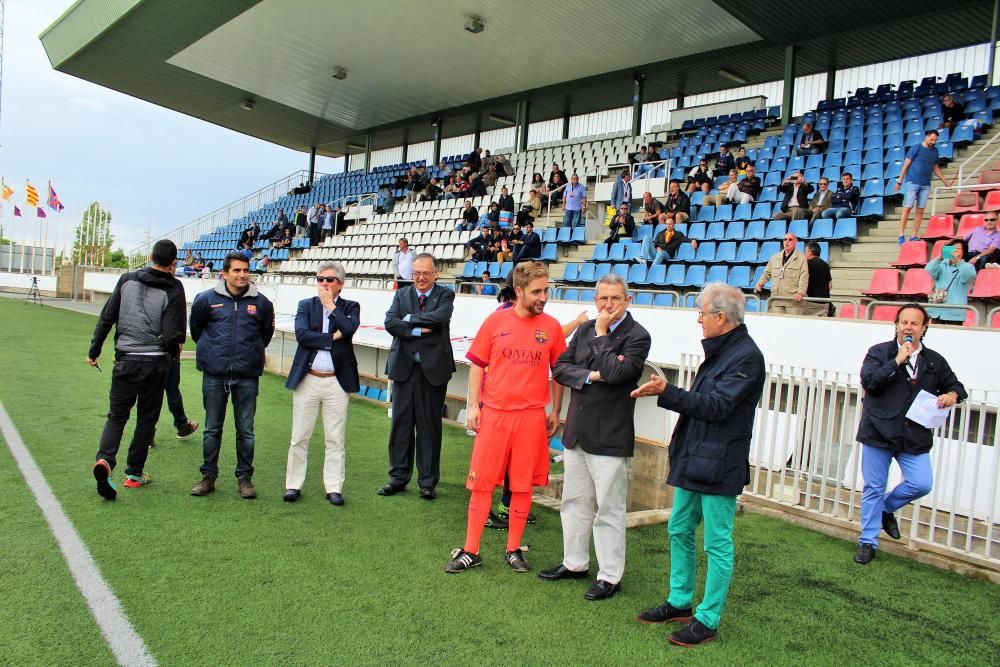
(493, 216)
(198, 262)
(700, 178)
(206, 270)
(531, 208)
(954, 275)
(538, 183)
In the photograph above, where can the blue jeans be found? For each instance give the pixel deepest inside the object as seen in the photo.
(914, 194)
(571, 218)
(838, 213)
(917, 482)
(216, 392)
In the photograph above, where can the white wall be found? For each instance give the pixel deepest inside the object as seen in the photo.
(45, 283)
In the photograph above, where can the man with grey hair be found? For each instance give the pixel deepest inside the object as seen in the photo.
(709, 461)
(788, 272)
(601, 366)
(324, 373)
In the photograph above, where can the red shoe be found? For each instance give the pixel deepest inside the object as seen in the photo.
(135, 481)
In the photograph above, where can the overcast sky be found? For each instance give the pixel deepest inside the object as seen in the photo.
(153, 168)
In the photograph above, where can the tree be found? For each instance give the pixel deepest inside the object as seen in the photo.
(93, 239)
(117, 259)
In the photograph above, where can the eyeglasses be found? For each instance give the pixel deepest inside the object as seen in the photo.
(990, 219)
(423, 274)
(702, 313)
(327, 279)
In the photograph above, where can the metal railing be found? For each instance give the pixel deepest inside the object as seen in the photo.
(960, 179)
(223, 215)
(642, 178)
(804, 459)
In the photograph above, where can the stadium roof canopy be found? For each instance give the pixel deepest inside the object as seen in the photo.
(410, 62)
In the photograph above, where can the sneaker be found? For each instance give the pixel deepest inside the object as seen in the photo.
(187, 429)
(496, 522)
(461, 561)
(665, 613)
(135, 481)
(901, 240)
(204, 487)
(516, 560)
(915, 238)
(247, 490)
(692, 634)
(531, 518)
(102, 473)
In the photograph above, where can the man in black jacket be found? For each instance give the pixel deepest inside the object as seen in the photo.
(795, 205)
(892, 375)
(601, 366)
(232, 325)
(147, 310)
(530, 246)
(709, 460)
(663, 247)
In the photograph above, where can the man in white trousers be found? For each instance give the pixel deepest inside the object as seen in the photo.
(602, 365)
(324, 373)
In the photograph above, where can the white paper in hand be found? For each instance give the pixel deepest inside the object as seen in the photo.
(924, 410)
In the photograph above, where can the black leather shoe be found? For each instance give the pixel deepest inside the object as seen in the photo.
(665, 613)
(889, 525)
(335, 498)
(865, 555)
(390, 490)
(291, 495)
(427, 493)
(692, 634)
(602, 590)
(561, 572)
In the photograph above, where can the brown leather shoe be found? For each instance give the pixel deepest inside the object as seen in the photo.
(187, 429)
(204, 487)
(247, 489)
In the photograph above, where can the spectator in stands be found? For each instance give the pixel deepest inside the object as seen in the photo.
(232, 325)
(699, 178)
(289, 227)
(795, 205)
(723, 161)
(432, 191)
(811, 142)
(247, 253)
(652, 210)
(475, 160)
(490, 176)
(402, 264)
(504, 167)
(821, 201)
(952, 113)
(486, 286)
(206, 271)
(641, 156)
(414, 186)
(984, 242)
(530, 247)
(285, 241)
(748, 189)
(742, 161)
(263, 264)
(273, 232)
(953, 275)
(199, 261)
(329, 218)
(282, 218)
(788, 272)
(513, 239)
(505, 201)
(470, 218)
(844, 201)
(188, 265)
(482, 246)
(388, 201)
(678, 204)
(493, 216)
(301, 223)
(147, 309)
(444, 172)
(725, 189)
(477, 188)
(663, 247)
(248, 237)
(921, 161)
(621, 192)
(892, 375)
(575, 202)
(315, 219)
(323, 375)
(556, 190)
(820, 283)
(451, 190)
(622, 226)
(538, 183)
(556, 171)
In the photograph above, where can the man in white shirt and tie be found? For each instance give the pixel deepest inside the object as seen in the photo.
(402, 264)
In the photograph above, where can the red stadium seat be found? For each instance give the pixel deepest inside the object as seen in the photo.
(885, 313)
(992, 202)
(987, 285)
(995, 320)
(885, 282)
(911, 254)
(970, 319)
(916, 283)
(989, 177)
(936, 252)
(940, 227)
(970, 222)
(965, 202)
(847, 311)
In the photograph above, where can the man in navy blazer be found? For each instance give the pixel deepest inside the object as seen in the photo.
(324, 373)
(892, 375)
(420, 365)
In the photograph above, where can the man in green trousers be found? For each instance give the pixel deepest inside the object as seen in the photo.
(709, 461)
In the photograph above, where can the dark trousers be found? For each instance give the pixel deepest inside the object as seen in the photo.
(313, 234)
(216, 392)
(135, 380)
(172, 387)
(518, 255)
(416, 404)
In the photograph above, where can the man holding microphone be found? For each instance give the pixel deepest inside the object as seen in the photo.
(892, 375)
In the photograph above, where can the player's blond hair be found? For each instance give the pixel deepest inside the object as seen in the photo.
(525, 272)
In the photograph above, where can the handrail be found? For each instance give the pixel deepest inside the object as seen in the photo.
(965, 161)
(870, 307)
(548, 209)
(223, 214)
(960, 189)
(989, 315)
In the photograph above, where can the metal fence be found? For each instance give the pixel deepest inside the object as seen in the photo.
(804, 456)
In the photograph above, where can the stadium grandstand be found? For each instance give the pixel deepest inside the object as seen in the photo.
(455, 106)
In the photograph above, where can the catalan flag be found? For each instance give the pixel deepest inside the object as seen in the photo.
(31, 195)
(8, 192)
(17, 211)
(41, 212)
(54, 202)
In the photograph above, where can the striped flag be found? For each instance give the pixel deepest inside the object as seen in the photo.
(8, 191)
(41, 212)
(54, 202)
(31, 195)
(17, 211)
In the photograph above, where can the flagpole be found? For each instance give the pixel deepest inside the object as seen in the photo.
(24, 240)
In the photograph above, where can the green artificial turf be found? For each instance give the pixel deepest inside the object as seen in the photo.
(224, 581)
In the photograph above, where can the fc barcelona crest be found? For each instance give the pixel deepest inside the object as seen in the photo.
(541, 337)
(251, 309)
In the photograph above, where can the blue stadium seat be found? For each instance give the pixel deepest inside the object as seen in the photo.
(775, 230)
(505, 270)
(716, 274)
(656, 274)
(666, 300)
(706, 252)
(767, 250)
(637, 275)
(586, 295)
(761, 212)
(800, 228)
(706, 214)
(600, 253)
(550, 235)
(571, 295)
(845, 229)
(696, 230)
(822, 229)
(571, 273)
(549, 253)
(872, 207)
(602, 270)
(469, 270)
(579, 235)
(743, 212)
(715, 231)
(588, 273)
(675, 276)
(564, 235)
(685, 253)
(768, 194)
(643, 299)
(724, 213)
(726, 252)
(736, 230)
(621, 270)
(480, 267)
(694, 276)
(747, 252)
(740, 277)
(617, 253)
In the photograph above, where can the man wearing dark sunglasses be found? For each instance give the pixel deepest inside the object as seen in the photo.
(324, 373)
(984, 242)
